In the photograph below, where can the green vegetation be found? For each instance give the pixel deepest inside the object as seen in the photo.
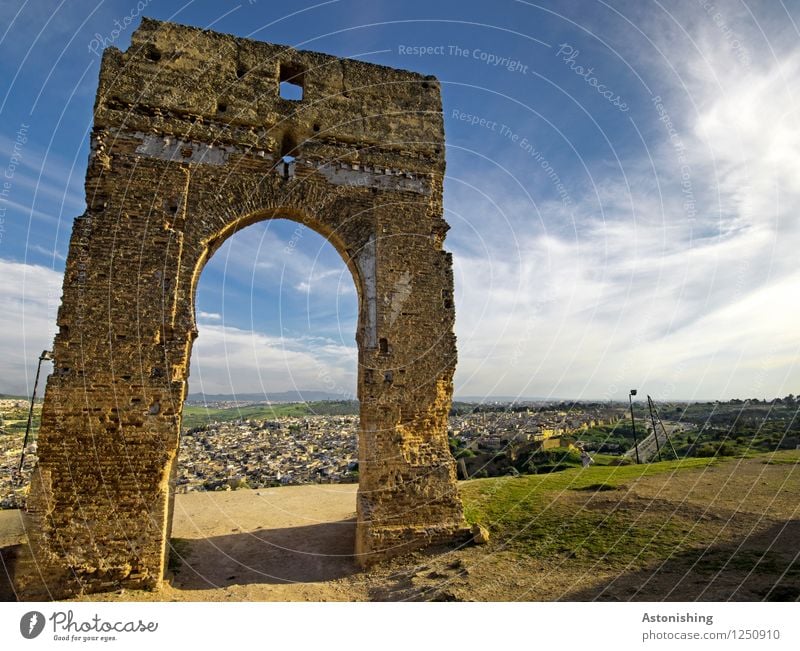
(711, 429)
(14, 420)
(737, 428)
(530, 515)
(616, 438)
(546, 461)
(199, 416)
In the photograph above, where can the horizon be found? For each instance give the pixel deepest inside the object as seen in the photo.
(643, 235)
(245, 396)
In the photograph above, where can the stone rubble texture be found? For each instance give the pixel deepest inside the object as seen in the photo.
(188, 147)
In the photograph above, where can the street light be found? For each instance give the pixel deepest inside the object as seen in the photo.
(45, 356)
(633, 423)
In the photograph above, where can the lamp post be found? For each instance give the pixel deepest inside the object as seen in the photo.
(633, 423)
(46, 355)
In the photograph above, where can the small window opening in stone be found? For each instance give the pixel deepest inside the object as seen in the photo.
(241, 70)
(221, 107)
(291, 91)
(152, 53)
(388, 377)
(383, 345)
(288, 146)
(290, 78)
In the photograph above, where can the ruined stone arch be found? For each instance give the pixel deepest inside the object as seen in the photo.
(189, 139)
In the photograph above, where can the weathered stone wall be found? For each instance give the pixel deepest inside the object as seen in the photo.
(188, 144)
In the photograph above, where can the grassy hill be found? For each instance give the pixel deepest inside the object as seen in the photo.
(535, 515)
(696, 528)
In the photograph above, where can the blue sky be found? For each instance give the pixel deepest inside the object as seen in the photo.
(622, 186)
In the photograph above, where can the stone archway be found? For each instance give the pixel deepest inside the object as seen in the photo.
(192, 141)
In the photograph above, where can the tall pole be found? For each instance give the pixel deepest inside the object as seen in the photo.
(46, 354)
(653, 420)
(664, 429)
(633, 423)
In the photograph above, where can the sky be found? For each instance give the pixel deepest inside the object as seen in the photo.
(622, 185)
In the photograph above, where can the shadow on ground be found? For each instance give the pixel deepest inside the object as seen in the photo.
(8, 557)
(307, 554)
(764, 566)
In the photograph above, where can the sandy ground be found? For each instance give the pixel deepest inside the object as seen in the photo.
(287, 544)
(11, 531)
(295, 544)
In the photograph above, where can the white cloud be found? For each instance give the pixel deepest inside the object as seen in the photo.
(224, 359)
(228, 360)
(29, 299)
(638, 293)
(261, 255)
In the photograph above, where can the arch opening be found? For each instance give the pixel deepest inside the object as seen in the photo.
(271, 411)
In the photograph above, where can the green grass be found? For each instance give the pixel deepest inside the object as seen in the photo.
(533, 514)
(784, 461)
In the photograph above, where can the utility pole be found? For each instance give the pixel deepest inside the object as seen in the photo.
(633, 423)
(653, 420)
(664, 429)
(46, 355)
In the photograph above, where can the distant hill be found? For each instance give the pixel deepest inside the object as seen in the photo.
(303, 395)
(300, 395)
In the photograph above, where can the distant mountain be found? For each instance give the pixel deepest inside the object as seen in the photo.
(491, 399)
(283, 396)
